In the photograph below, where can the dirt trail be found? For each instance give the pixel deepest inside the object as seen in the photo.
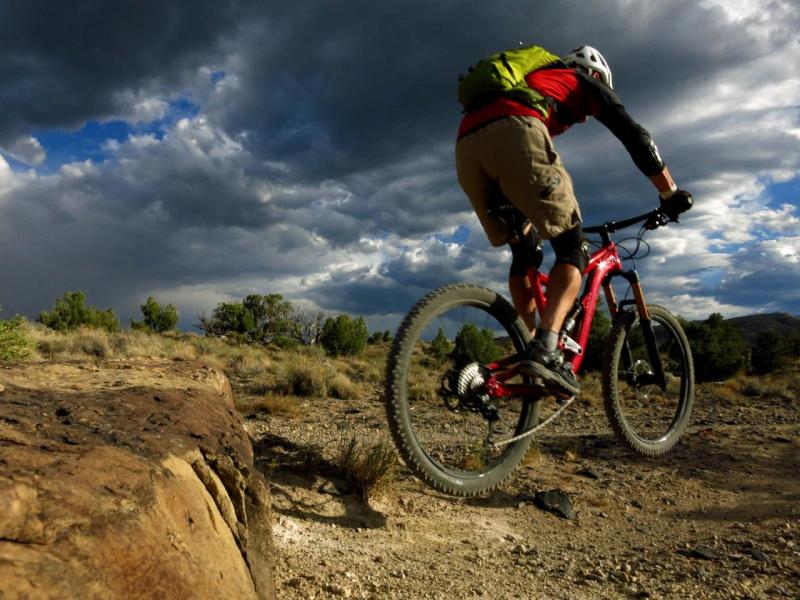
(718, 518)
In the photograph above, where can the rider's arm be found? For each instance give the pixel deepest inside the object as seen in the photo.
(608, 109)
(664, 184)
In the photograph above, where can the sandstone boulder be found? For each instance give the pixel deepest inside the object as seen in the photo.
(128, 479)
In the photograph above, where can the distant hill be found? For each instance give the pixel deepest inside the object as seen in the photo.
(752, 325)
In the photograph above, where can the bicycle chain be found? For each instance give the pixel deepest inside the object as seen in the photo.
(533, 430)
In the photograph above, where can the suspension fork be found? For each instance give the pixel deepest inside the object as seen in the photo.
(649, 335)
(613, 309)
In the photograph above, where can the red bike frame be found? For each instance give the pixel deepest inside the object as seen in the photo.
(603, 266)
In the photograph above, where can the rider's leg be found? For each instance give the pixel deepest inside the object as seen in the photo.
(526, 254)
(545, 359)
(562, 289)
(522, 297)
(572, 256)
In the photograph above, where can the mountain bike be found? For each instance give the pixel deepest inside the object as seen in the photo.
(463, 416)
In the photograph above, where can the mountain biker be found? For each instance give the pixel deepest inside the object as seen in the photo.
(504, 150)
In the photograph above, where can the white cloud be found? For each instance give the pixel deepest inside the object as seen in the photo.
(28, 150)
(694, 307)
(138, 107)
(5, 173)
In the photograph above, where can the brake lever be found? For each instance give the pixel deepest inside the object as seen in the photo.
(658, 219)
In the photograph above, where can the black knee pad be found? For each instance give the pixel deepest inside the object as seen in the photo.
(526, 254)
(571, 248)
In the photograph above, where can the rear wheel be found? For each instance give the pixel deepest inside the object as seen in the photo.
(647, 417)
(443, 423)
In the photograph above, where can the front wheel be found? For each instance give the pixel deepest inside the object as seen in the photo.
(647, 415)
(442, 421)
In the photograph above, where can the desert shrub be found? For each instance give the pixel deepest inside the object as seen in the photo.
(770, 352)
(157, 318)
(440, 347)
(302, 378)
(249, 364)
(91, 342)
(70, 312)
(344, 336)
(718, 348)
(340, 386)
(728, 391)
(371, 467)
(14, 341)
(257, 318)
(767, 387)
(131, 343)
(52, 347)
(273, 404)
(378, 337)
(474, 345)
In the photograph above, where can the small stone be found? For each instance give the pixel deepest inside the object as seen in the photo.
(556, 502)
(331, 488)
(757, 554)
(589, 472)
(339, 590)
(702, 551)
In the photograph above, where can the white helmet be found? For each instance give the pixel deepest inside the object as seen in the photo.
(591, 60)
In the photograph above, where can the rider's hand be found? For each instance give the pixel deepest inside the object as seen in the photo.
(680, 201)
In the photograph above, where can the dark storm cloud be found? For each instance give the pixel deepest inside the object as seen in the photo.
(340, 87)
(333, 123)
(64, 63)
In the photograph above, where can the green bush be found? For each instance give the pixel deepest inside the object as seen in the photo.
(718, 348)
(473, 345)
(257, 318)
(14, 342)
(303, 378)
(70, 312)
(440, 347)
(157, 318)
(770, 352)
(344, 336)
(377, 337)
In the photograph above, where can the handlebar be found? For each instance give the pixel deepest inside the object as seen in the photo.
(666, 212)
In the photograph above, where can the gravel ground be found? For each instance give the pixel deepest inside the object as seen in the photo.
(717, 518)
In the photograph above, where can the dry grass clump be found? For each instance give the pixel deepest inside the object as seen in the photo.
(302, 377)
(744, 387)
(250, 364)
(371, 467)
(369, 366)
(772, 387)
(728, 392)
(82, 343)
(340, 386)
(591, 388)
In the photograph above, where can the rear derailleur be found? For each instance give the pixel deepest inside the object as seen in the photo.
(464, 389)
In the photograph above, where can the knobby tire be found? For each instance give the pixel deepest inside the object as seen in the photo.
(415, 456)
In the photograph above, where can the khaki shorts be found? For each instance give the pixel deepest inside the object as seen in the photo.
(515, 157)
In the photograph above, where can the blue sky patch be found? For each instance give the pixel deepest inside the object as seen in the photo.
(459, 236)
(785, 192)
(88, 142)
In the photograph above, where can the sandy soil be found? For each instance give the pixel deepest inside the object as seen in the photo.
(718, 518)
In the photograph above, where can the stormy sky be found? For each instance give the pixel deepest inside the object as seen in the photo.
(201, 151)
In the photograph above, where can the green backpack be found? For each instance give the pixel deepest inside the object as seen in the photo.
(503, 74)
